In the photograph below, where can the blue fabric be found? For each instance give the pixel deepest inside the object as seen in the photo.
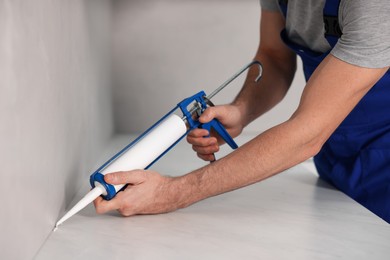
(356, 158)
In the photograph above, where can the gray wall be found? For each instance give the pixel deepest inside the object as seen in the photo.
(55, 112)
(166, 50)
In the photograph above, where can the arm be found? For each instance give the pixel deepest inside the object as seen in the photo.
(320, 111)
(279, 64)
(254, 99)
(330, 95)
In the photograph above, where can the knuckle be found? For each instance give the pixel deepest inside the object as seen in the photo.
(125, 210)
(192, 141)
(123, 177)
(211, 111)
(124, 213)
(195, 133)
(195, 148)
(207, 150)
(205, 141)
(211, 151)
(99, 210)
(207, 157)
(201, 150)
(223, 109)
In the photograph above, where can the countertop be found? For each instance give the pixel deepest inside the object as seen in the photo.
(292, 215)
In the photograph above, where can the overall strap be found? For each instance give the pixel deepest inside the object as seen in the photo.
(283, 6)
(330, 18)
(331, 21)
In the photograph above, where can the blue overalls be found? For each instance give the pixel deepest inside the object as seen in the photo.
(356, 158)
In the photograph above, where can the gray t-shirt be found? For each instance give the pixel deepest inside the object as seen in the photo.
(365, 25)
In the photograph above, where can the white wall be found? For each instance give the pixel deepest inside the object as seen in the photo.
(55, 112)
(166, 50)
(55, 100)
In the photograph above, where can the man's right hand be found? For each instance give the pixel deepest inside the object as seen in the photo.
(205, 147)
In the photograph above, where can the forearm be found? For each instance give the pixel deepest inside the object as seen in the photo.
(268, 154)
(254, 98)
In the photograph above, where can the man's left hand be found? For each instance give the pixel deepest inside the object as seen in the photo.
(147, 192)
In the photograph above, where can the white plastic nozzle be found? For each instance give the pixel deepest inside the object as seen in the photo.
(88, 198)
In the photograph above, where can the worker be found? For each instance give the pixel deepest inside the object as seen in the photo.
(343, 118)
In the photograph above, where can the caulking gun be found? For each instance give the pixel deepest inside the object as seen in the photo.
(166, 133)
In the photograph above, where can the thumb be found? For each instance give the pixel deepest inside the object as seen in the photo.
(210, 113)
(128, 177)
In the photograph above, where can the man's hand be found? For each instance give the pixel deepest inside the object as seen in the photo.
(229, 116)
(147, 193)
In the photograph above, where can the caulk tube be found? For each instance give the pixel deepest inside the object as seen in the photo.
(141, 154)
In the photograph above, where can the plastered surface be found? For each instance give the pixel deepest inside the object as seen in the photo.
(55, 112)
(165, 51)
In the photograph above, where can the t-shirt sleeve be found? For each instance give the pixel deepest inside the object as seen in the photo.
(365, 41)
(269, 5)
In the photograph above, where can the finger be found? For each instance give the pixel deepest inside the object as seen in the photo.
(206, 149)
(206, 157)
(207, 115)
(130, 177)
(198, 132)
(202, 141)
(102, 206)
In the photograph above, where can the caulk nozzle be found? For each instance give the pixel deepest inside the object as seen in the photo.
(88, 198)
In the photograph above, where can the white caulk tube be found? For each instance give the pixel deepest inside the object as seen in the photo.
(139, 155)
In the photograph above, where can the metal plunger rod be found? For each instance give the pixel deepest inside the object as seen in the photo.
(227, 82)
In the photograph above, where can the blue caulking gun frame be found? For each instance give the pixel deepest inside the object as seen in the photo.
(199, 102)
